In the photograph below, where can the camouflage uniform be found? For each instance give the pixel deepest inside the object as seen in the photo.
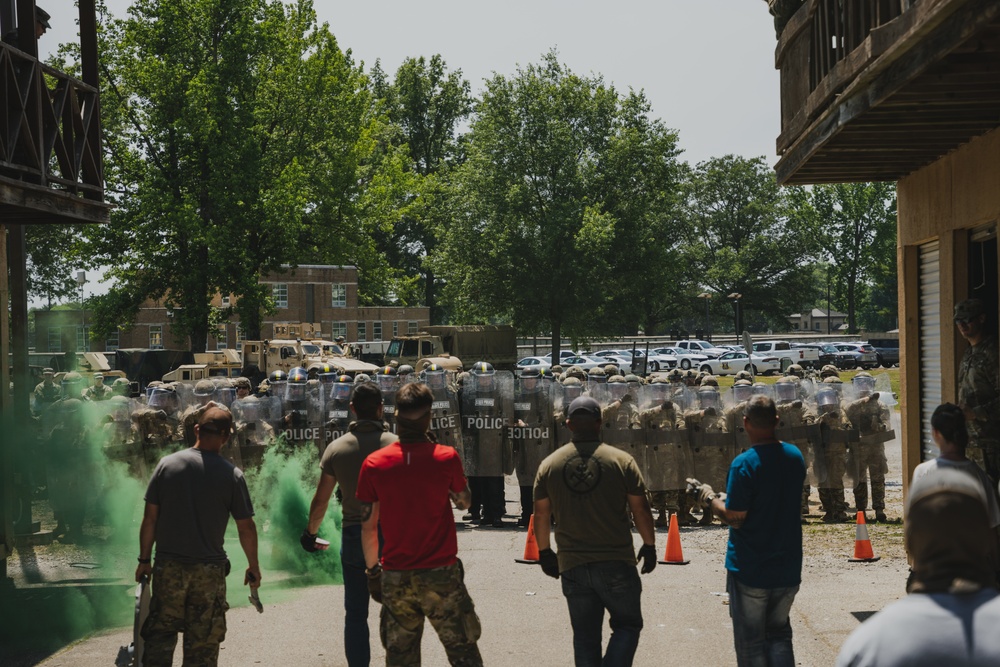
(44, 395)
(440, 595)
(98, 392)
(793, 419)
(667, 461)
(979, 390)
(835, 431)
(711, 449)
(871, 419)
(190, 598)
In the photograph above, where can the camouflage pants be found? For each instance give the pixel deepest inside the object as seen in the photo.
(440, 595)
(188, 598)
(831, 490)
(675, 501)
(871, 463)
(986, 454)
(806, 451)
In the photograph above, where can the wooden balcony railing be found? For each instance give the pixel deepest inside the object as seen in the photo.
(823, 48)
(51, 127)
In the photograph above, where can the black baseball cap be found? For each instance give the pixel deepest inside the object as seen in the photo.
(584, 405)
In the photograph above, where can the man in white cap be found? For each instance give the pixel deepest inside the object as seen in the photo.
(952, 611)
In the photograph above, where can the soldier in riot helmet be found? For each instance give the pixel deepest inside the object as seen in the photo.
(533, 434)
(871, 418)
(711, 442)
(569, 389)
(120, 387)
(667, 454)
(252, 433)
(487, 411)
(387, 379)
(446, 417)
(741, 393)
(620, 422)
(794, 420)
(743, 375)
(829, 370)
(831, 460)
(337, 408)
(797, 371)
(157, 424)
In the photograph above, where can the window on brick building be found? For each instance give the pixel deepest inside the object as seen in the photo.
(55, 339)
(279, 291)
(362, 332)
(411, 328)
(112, 342)
(338, 329)
(83, 339)
(156, 336)
(395, 329)
(339, 295)
(376, 331)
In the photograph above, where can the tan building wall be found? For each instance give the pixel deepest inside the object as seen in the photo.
(945, 201)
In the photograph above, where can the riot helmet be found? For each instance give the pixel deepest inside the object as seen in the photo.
(250, 407)
(742, 390)
(296, 384)
(708, 397)
(327, 374)
(120, 386)
(118, 408)
(435, 377)
(342, 388)
(387, 378)
(405, 369)
(597, 375)
(786, 389)
(72, 384)
(827, 399)
(797, 371)
(163, 398)
(276, 382)
(362, 377)
(204, 390)
(529, 380)
(617, 388)
(863, 383)
(709, 380)
(572, 388)
(483, 372)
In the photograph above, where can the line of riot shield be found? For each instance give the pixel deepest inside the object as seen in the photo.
(666, 463)
(712, 446)
(735, 402)
(621, 426)
(388, 384)
(533, 428)
(300, 419)
(487, 410)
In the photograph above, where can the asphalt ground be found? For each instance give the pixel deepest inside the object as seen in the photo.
(524, 616)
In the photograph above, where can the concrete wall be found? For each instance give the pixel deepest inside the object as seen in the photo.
(945, 201)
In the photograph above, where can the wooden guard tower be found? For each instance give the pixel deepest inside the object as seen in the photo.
(51, 173)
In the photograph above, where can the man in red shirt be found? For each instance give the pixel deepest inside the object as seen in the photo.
(406, 487)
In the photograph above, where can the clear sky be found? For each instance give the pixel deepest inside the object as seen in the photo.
(707, 66)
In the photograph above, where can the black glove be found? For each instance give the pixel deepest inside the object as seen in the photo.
(308, 540)
(375, 582)
(648, 555)
(550, 564)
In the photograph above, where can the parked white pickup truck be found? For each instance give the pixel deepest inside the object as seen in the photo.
(782, 349)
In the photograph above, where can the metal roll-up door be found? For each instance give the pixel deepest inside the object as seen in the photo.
(930, 343)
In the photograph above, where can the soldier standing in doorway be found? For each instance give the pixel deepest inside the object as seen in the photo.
(979, 387)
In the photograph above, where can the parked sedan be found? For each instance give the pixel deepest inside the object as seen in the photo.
(731, 363)
(655, 363)
(538, 363)
(620, 358)
(685, 358)
(586, 363)
(830, 355)
(863, 353)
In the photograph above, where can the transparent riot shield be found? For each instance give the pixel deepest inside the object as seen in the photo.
(532, 430)
(253, 434)
(446, 416)
(666, 462)
(562, 395)
(682, 396)
(388, 385)
(487, 411)
(734, 403)
(621, 426)
(712, 446)
(337, 410)
(883, 385)
(598, 391)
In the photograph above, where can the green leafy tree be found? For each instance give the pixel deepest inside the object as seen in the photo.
(425, 104)
(50, 267)
(239, 137)
(544, 215)
(860, 232)
(745, 235)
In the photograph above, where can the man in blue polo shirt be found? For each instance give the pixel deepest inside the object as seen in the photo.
(764, 554)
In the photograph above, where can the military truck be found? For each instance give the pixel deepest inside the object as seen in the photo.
(219, 363)
(456, 346)
(298, 345)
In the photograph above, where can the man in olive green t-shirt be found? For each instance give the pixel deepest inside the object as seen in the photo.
(591, 488)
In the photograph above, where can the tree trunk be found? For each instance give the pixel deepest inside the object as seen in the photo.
(556, 341)
(430, 299)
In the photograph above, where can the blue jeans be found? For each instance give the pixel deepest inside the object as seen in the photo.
(589, 590)
(356, 599)
(762, 632)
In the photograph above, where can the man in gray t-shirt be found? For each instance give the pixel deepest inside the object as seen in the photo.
(189, 501)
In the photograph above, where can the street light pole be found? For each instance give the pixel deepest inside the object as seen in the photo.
(708, 329)
(736, 296)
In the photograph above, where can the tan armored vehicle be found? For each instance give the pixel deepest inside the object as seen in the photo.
(453, 347)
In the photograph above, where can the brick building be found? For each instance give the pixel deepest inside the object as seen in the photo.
(327, 295)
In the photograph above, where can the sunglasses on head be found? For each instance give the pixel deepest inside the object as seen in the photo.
(213, 431)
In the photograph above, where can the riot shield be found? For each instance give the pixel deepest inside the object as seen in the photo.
(562, 395)
(682, 396)
(388, 385)
(533, 428)
(621, 426)
(253, 433)
(797, 424)
(712, 446)
(446, 417)
(487, 410)
(666, 462)
(883, 385)
(337, 410)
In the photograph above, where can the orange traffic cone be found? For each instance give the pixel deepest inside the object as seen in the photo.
(674, 554)
(530, 545)
(862, 545)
